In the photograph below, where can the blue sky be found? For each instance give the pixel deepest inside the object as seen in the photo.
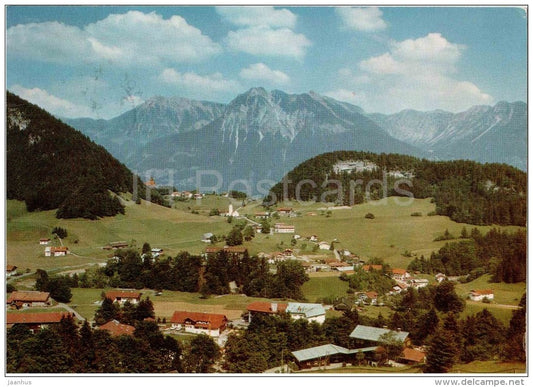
(81, 61)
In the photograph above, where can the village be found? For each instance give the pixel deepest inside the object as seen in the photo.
(367, 342)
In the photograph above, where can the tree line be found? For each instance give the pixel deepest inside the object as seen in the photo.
(499, 253)
(196, 273)
(466, 191)
(67, 348)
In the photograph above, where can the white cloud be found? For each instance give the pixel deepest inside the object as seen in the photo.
(52, 104)
(192, 81)
(258, 16)
(415, 73)
(261, 72)
(270, 42)
(361, 19)
(132, 38)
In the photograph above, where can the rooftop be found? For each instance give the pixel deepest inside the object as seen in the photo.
(35, 318)
(363, 332)
(326, 350)
(215, 321)
(116, 328)
(308, 310)
(28, 296)
(114, 294)
(266, 307)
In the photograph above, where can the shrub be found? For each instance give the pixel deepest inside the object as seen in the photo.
(416, 214)
(370, 216)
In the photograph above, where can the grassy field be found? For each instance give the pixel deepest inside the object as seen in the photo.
(170, 229)
(319, 287)
(85, 302)
(492, 367)
(508, 294)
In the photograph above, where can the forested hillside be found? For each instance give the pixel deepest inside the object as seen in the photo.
(466, 191)
(50, 165)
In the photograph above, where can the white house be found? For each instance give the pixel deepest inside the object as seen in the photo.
(419, 283)
(439, 277)
(206, 238)
(44, 241)
(400, 274)
(199, 323)
(121, 296)
(310, 312)
(480, 295)
(324, 246)
(53, 251)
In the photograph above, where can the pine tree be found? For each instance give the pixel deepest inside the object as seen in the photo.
(442, 353)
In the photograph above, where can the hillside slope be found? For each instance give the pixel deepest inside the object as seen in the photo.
(465, 191)
(51, 165)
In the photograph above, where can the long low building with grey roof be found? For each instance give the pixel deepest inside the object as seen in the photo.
(327, 354)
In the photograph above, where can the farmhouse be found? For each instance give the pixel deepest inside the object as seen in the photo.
(282, 228)
(150, 183)
(199, 323)
(480, 295)
(439, 277)
(418, 283)
(10, 270)
(400, 274)
(366, 335)
(28, 299)
(35, 321)
(369, 297)
(122, 296)
(265, 308)
(44, 241)
(116, 329)
(310, 312)
(313, 238)
(58, 251)
(261, 215)
(186, 194)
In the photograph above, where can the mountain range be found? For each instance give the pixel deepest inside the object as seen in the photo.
(263, 134)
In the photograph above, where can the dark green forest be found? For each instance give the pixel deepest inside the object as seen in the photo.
(191, 273)
(53, 166)
(466, 191)
(501, 254)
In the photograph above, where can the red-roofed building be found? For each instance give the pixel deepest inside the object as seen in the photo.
(44, 241)
(35, 321)
(479, 295)
(150, 183)
(400, 274)
(116, 329)
(263, 307)
(199, 323)
(27, 299)
(121, 296)
(56, 251)
(412, 356)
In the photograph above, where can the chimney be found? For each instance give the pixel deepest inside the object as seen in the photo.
(274, 307)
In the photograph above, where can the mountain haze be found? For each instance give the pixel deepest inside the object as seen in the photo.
(483, 133)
